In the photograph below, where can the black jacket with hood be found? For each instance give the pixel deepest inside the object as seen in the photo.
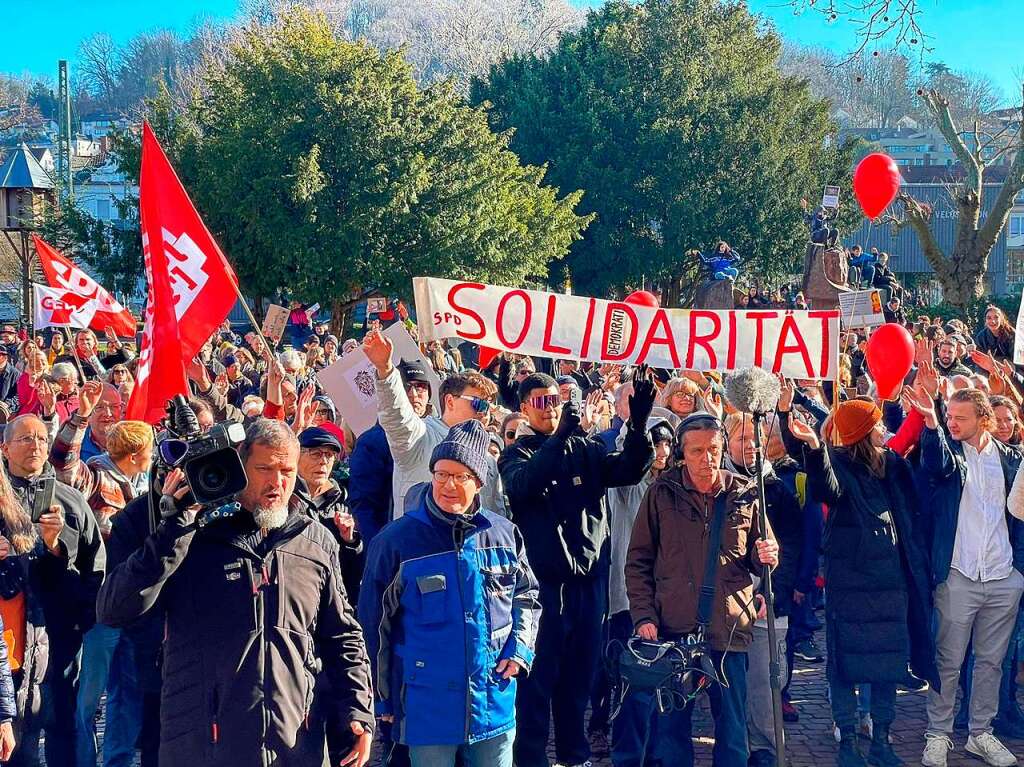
(264, 662)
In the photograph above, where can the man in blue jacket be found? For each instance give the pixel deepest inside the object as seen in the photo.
(449, 607)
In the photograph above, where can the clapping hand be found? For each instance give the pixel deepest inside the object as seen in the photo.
(927, 378)
(921, 400)
(787, 391)
(590, 405)
(804, 433)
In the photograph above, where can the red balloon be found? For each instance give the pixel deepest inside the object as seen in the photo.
(876, 182)
(643, 298)
(890, 356)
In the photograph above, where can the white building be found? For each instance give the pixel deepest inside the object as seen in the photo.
(98, 190)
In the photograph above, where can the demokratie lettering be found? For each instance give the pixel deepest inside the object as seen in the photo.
(799, 344)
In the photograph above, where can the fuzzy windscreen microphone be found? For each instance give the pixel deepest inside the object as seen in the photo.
(753, 390)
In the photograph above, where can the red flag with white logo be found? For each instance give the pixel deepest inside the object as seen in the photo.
(191, 286)
(97, 309)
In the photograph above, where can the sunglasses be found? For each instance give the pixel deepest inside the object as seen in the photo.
(480, 405)
(544, 401)
(417, 385)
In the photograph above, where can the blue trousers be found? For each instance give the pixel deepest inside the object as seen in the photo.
(108, 663)
(493, 752)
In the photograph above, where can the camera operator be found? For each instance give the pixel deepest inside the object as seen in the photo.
(667, 553)
(65, 584)
(319, 452)
(254, 608)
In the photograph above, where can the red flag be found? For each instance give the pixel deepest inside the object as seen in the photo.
(62, 273)
(191, 286)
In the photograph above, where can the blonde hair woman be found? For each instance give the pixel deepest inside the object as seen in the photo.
(680, 396)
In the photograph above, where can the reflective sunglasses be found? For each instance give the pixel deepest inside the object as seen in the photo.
(544, 401)
(480, 405)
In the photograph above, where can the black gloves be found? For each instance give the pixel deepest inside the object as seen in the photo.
(641, 401)
(569, 420)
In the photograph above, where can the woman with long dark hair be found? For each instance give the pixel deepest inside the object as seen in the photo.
(877, 613)
(996, 337)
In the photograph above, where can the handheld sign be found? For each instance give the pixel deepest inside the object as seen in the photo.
(861, 309)
(830, 197)
(274, 323)
(376, 305)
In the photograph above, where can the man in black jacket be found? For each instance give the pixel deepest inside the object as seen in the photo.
(555, 479)
(254, 610)
(8, 383)
(64, 587)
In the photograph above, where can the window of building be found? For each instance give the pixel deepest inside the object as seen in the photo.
(1014, 266)
(1017, 226)
(103, 209)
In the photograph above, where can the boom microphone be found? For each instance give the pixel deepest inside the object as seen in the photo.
(753, 390)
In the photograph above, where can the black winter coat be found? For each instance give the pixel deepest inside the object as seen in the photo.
(556, 494)
(9, 387)
(878, 603)
(250, 623)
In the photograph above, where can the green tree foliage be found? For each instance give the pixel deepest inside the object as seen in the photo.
(674, 118)
(322, 167)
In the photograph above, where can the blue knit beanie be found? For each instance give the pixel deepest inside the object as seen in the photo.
(466, 443)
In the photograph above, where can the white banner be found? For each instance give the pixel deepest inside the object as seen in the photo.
(861, 309)
(61, 308)
(799, 344)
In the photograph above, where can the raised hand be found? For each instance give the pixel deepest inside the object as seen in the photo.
(590, 405)
(379, 350)
(922, 351)
(928, 378)
(89, 397)
(304, 409)
(923, 402)
(47, 398)
(804, 433)
(786, 393)
(984, 361)
(641, 401)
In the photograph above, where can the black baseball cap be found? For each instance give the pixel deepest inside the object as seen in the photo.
(412, 371)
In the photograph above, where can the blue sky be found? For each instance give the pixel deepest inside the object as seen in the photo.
(981, 35)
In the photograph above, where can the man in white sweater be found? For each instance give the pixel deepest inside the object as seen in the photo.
(412, 438)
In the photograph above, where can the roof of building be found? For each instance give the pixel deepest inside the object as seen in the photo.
(21, 170)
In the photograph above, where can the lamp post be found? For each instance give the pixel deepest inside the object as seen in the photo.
(25, 191)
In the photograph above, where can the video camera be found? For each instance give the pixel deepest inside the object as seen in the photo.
(210, 460)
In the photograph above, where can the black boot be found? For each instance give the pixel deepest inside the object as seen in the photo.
(849, 751)
(881, 753)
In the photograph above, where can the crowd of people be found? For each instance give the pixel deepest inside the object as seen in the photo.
(448, 582)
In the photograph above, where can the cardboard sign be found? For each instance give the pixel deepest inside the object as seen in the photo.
(376, 305)
(799, 344)
(275, 322)
(830, 197)
(351, 381)
(861, 309)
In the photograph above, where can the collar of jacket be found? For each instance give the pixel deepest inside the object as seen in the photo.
(24, 483)
(417, 505)
(240, 529)
(677, 479)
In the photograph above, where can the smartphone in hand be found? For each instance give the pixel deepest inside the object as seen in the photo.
(43, 499)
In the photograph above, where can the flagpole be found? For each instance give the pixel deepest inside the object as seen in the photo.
(74, 355)
(255, 324)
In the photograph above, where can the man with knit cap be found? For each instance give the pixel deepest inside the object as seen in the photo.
(450, 607)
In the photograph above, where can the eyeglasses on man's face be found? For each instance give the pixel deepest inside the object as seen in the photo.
(461, 478)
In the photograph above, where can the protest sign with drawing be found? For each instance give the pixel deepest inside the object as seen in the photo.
(274, 323)
(799, 344)
(351, 381)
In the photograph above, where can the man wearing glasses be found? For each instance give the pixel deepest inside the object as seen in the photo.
(73, 563)
(556, 478)
(449, 606)
(412, 438)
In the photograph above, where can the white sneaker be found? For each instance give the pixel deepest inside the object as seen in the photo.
(936, 750)
(867, 726)
(987, 747)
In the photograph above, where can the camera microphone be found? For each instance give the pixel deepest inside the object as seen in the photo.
(753, 390)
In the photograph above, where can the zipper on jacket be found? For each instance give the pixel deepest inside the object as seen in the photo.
(459, 539)
(214, 728)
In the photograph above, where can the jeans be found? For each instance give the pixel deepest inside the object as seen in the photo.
(558, 687)
(493, 752)
(107, 664)
(846, 704)
(672, 737)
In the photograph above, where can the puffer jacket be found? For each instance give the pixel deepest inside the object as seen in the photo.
(878, 609)
(668, 551)
(8, 704)
(556, 491)
(443, 600)
(257, 628)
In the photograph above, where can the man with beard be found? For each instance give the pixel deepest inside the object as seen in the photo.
(63, 585)
(253, 605)
(947, 361)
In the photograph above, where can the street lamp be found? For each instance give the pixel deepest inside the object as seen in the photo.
(25, 191)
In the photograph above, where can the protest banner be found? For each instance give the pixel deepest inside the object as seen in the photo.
(861, 309)
(351, 381)
(274, 323)
(830, 197)
(799, 344)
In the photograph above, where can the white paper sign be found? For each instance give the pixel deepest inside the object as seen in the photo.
(274, 323)
(861, 309)
(351, 381)
(830, 197)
